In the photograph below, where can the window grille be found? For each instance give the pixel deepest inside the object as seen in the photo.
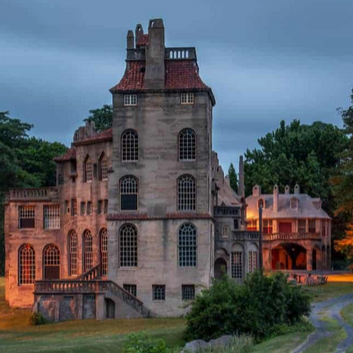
(312, 226)
(187, 145)
(51, 217)
(51, 260)
(158, 292)
(83, 208)
(131, 288)
(187, 245)
(186, 193)
(187, 98)
(129, 146)
(26, 217)
(188, 292)
(103, 167)
(128, 246)
(267, 226)
(237, 265)
(252, 261)
(87, 251)
(128, 193)
(73, 207)
(302, 226)
(27, 265)
(225, 231)
(130, 99)
(89, 207)
(88, 169)
(73, 243)
(104, 252)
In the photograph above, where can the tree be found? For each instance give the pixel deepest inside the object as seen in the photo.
(297, 153)
(343, 185)
(233, 179)
(102, 117)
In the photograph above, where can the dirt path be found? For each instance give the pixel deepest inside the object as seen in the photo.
(332, 308)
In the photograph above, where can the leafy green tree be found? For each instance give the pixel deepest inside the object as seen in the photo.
(102, 117)
(233, 179)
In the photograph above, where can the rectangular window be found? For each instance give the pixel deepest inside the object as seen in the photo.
(26, 217)
(89, 207)
(187, 98)
(83, 208)
(67, 207)
(237, 265)
(252, 225)
(188, 292)
(236, 224)
(312, 226)
(100, 207)
(252, 261)
(131, 288)
(51, 217)
(60, 178)
(158, 292)
(105, 206)
(302, 226)
(130, 99)
(267, 226)
(73, 207)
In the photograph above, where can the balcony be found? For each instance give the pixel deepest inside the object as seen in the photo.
(226, 211)
(239, 235)
(180, 53)
(33, 194)
(291, 236)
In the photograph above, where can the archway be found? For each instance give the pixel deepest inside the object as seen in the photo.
(109, 308)
(289, 256)
(220, 268)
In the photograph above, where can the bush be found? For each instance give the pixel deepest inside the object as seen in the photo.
(240, 344)
(143, 343)
(36, 319)
(255, 307)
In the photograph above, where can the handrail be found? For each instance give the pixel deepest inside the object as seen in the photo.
(291, 236)
(93, 273)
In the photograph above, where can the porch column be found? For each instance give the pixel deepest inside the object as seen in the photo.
(309, 259)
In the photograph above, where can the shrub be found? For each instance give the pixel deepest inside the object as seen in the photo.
(257, 307)
(143, 343)
(36, 319)
(240, 344)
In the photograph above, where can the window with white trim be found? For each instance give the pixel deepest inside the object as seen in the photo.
(130, 99)
(73, 245)
(158, 292)
(237, 265)
(128, 246)
(26, 217)
(187, 245)
(128, 193)
(27, 265)
(51, 217)
(131, 288)
(188, 292)
(187, 145)
(129, 146)
(187, 98)
(87, 250)
(186, 193)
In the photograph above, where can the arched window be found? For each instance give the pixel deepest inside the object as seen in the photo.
(187, 245)
(128, 193)
(27, 264)
(129, 146)
(128, 246)
(87, 250)
(88, 169)
(225, 231)
(51, 261)
(186, 193)
(103, 167)
(237, 262)
(73, 243)
(187, 145)
(104, 252)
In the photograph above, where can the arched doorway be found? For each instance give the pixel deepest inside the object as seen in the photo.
(109, 308)
(220, 268)
(289, 256)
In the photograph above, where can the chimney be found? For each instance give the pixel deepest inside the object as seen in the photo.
(297, 189)
(155, 53)
(256, 191)
(287, 190)
(138, 33)
(241, 191)
(275, 198)
(130, 40)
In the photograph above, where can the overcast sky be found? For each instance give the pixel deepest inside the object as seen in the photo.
(266, 60)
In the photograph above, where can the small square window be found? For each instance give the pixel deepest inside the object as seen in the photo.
(26, 217)
(187, 98)
(89, 207)
(131, 288)
(73, 207)
(130, 99)
(188, 292)
(158, 292)
(100, 207)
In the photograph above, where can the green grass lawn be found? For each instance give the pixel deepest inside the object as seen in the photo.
(347, 314)
(16, 335)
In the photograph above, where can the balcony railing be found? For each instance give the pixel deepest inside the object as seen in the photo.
(239, 235)
(291, 236)
(35, 194)
(226, 211)
(180, 53)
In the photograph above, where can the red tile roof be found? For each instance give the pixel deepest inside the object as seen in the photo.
(179, 74)
(68, 156)
(105, 135)
(142, 41)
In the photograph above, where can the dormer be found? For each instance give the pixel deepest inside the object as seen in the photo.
(294, 203)
(256, 191)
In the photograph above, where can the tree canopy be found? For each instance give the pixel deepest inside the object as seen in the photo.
(102, 117)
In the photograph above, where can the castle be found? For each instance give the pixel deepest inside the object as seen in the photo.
(142, 217)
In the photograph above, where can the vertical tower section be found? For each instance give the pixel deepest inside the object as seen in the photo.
(160, 185)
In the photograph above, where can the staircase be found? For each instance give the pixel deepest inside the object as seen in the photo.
(55, 299)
